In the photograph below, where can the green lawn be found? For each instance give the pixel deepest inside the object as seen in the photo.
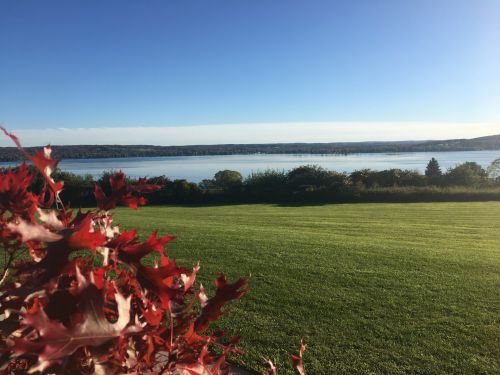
(373, 288)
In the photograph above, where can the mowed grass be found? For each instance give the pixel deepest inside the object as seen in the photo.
(372, 288)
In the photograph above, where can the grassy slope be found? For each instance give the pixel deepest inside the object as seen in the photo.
(373, 288)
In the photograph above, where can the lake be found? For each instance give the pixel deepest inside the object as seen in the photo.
(197, 168)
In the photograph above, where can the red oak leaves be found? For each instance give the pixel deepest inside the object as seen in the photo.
(122, 193)
(14, 194)
(212, 308)
(42, 161)
(130, 250)
(52, 341)
(62, 306)
(65, 310)
(84, 235)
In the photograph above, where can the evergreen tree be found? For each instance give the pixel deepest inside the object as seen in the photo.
(433, 169)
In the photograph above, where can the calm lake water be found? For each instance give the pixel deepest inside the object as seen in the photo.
(197, 168)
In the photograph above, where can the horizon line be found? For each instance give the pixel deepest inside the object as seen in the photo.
(256, 133)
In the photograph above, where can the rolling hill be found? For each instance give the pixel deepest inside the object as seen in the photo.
(118, 151)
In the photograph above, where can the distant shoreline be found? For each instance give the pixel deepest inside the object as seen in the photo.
(338, 148)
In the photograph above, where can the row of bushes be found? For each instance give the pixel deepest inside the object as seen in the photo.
(467, 181)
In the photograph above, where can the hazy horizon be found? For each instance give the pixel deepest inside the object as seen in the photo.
(324, 132)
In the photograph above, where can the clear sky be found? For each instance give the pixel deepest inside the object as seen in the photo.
(104, 64)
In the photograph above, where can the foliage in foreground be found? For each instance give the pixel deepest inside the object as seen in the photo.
(103, 312)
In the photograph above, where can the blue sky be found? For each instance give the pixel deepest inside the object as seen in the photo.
(102, 64)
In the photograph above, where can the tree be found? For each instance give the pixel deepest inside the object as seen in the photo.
(269, 185)
(387, 177)
(228, 180)
(164, 195)
(466, 174)
(361, 178)
(433, 169)
(308, 176)
(411, 178)
(185, 191)
(433, 172)
(206, 184)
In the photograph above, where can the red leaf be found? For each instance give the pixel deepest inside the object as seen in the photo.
(33, 232)
(194, 369)
(270, 367)
(49, 218)
(153, 315)
(189, 281)
(121, 193)
(36, 251)
(56, 341)
(14, 194)
(42, 161)
(133, 251)
(192, 337)
(225, 293)
(297, 360)
(97, 278)
(143, 187)
(125, 238)
(204, 365)
(159, 280)
(79, 235)
(84, 236)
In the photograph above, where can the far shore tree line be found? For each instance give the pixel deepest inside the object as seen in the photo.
(337, 148)
(308, 184)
